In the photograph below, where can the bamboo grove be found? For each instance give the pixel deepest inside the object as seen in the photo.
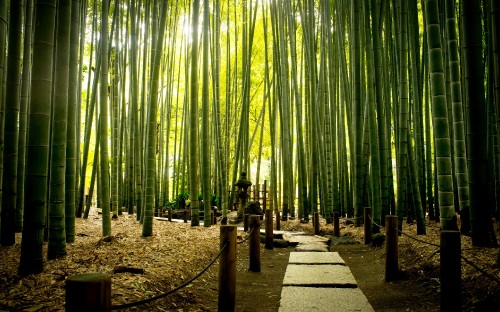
(337, 104)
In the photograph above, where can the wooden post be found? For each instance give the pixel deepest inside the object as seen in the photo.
(88, 292)
(391, 248)
(450, 271)
(278, 222)
(214, 218)
(336, 224)
(316, 223)
(245, 222)
(254, 245)
(170, 214)
(227, 269)
(185, 216)
(368, 225)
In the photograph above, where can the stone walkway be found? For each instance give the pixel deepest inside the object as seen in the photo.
(319, 281)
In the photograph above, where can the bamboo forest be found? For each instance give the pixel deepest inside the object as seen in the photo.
(335, 118)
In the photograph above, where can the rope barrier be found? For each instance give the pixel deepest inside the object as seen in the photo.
(418, 239)
(410, 236)
(354, 218)
(246, 238)
(475, 266)
(469, 262)
(144, 301)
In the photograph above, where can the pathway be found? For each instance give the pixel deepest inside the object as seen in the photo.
(319, 281)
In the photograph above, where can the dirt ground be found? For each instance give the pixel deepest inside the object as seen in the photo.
(177, 251)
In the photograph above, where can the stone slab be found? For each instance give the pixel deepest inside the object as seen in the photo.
(276, 233)
(305, 239)
(291, 233)
(315, 247)
(315, 258)
(324, 275)
(299, 299)
(343, 240)
(173, 220)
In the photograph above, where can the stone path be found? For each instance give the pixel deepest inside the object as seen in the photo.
(319, 281)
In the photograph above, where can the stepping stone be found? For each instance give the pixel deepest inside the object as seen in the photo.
(288, 234)
(178, 220)
(316, 247)
(306, 239)
(276, 234)
(298, 299)
(343, 240)
(315, 258)
(325, 275)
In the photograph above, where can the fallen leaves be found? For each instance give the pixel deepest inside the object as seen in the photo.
(175, 252)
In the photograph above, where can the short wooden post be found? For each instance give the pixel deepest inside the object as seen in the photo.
(450, 271)
(367, 214)
(254, 244)
(336, 224)
(170, 215)
(214, 218)
(391, 248)
(88, 292)
(316, 223)
(185, 216)
(227, 269)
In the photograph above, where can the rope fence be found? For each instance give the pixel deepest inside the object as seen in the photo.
(407, 235)
(148, 300)
(246, 238)
(469, 262)
(92, 291)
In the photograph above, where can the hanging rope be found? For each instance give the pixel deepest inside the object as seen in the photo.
(148, 300)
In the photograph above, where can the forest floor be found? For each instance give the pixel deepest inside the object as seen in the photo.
(176, 252)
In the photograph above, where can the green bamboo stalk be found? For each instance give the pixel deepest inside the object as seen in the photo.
(494, 46)
(205, 102)
(38, 140)
(114, 111)
(376, 172)
(103, 120)
(147, 229)
(11, 130)
(134, 87)
(480, 218)
(402, 150)
(56, 212)
(71, 150)
(193, 120)
(440, 118)
(357, 111)
(23, 111)
(459, 144)
(416, 92)
(3, 50)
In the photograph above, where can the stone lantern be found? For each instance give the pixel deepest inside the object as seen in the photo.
(242, 186)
